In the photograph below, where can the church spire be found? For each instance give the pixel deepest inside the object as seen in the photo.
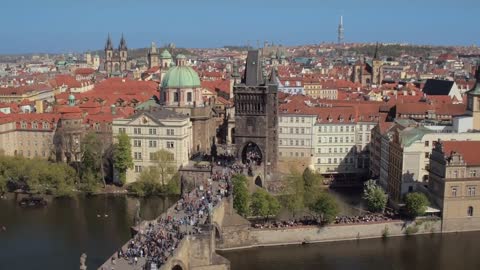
(375, 56)
(108, 44)
(123, 44)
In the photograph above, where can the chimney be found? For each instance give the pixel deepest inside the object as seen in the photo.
(113, 109)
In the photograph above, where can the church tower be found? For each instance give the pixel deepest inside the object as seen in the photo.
(116, 60)
(473, 101)
(153, 56)
(123, 50)
(108, 55)
(377, 72)
(256, 120)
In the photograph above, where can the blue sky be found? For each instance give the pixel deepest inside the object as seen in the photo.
(78, 25)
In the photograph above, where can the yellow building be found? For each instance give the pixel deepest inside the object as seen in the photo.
(453, 185)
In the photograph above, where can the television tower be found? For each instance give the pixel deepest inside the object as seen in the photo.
(341, 32)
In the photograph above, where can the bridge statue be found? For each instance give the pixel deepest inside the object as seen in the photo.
(136, 218)
(83, 259)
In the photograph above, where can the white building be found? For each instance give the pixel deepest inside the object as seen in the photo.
(151, 131)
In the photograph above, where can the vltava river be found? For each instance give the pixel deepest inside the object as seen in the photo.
(54, 237)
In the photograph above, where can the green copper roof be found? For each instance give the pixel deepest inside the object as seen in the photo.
(165, 55)
(181, 56)
(181, 77)
(411, 134)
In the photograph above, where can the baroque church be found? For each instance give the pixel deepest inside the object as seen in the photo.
(116, 59)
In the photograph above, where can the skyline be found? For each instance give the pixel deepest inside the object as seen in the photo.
(54, 26)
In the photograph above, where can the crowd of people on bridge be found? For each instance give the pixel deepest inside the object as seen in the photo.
(157, 240)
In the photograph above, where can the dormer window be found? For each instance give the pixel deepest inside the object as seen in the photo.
(34, 125)
(45, 125)
(23, 124)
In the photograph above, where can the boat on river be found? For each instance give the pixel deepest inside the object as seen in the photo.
(33, 202)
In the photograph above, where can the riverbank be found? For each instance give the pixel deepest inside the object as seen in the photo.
(237, 238)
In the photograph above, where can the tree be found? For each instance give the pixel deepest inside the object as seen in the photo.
(122, 156)
(325, 207)
(241, 197)
(263, 204)
(173, 186)
(375, 197)
(416, 204)
(3, 185)
(294, 198)
(312, 185)
(92, 157)
(89, 182)
(166, 164)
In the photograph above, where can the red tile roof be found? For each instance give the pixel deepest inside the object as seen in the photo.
(468, 150)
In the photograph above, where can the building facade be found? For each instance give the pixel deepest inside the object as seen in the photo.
(256, 118)
(151, 131)
(453, 185)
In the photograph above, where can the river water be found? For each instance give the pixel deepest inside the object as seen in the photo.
(54, 237)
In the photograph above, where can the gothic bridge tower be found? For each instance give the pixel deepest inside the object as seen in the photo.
(256, 119)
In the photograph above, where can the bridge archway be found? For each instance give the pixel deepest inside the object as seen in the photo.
(252, 154)
(178, 265)
(258, 181)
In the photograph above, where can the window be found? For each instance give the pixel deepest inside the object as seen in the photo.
(455, 174)
(329, 150)
(137, 155)
(470, 211)
(427, 143)
(24, 124)
(45, 125)
(296, 119)
(454, 191)
(291, 119)
(336, 139)
(302, 130)
(427, 155)
(175, 97)
(137, 130)
(138, 168)
(329, 160)
(170, 145)
(302, 142)
(152, 144)
(303, 119)
(122, 130)
(152, 156)
(291, 130)
(329, 139)
(296, 130)
(471, 191)
(335, 150)
(280, 142)
(473, 173)
(189, 97)
(34, 125)
(296, 142)
(335, 160)
(137, 143)
(170, 132)
(152, 131)
(360, 137)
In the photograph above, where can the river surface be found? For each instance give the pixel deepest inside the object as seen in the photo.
(423, 252)
(54, 237)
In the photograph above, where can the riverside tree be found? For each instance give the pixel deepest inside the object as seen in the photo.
(263, 204)
(325, 208)
(166, 164)
(416, 204)
(241, 197)
(375, 197)
(122, 156)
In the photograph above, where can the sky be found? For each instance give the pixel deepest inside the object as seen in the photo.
(62, 26)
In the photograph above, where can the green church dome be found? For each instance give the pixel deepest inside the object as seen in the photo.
(165, 55)
(181, 77)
